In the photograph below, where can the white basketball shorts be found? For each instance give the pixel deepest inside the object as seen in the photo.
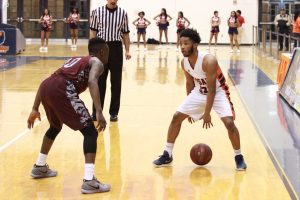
(194, 104)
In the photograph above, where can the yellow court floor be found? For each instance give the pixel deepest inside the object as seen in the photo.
(153, 88)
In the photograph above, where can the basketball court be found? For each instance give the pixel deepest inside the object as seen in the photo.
(153, 87)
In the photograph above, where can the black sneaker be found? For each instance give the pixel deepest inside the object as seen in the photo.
(240, 163)
(114, 118)
(163, 160)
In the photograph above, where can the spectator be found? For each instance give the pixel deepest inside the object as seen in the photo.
(283, 22)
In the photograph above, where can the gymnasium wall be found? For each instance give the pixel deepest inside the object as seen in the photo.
(199, 12)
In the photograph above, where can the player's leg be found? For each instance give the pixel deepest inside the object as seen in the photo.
(90, 183)
(41, 169)
(193, 106)
(234, 137)
(224, 108)
(174, 128)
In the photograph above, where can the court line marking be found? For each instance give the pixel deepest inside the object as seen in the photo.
(20, 135)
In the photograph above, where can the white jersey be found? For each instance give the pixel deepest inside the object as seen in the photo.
(195, 103)
(200, 76)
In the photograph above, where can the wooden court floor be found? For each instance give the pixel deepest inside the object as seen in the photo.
(153, 88)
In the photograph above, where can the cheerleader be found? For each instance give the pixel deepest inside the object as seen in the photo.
(141, 24)
(162, 21)
(233, 23)
(73, 21)
(215, 24)
(46, 25)
(181, 25)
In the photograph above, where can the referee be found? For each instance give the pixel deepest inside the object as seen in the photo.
(110, 23)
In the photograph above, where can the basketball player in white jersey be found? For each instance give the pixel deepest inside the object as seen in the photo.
(206, 89)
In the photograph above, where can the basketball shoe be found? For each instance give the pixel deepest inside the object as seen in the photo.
(163, 160)
(94, 186)
(42, 171)
(240, 163)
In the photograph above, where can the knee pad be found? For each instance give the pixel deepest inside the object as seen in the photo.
(90, 135)
(52, 133)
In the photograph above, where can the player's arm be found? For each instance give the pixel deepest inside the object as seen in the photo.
(210, 67)
(189, 81)
(35, 114)
(97, 69)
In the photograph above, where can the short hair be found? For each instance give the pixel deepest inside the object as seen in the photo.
(192, 34)
(142, 12)
(216, 12)
(96, 44)
(239, 11)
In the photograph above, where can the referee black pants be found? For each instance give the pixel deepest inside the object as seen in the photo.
(114, 66)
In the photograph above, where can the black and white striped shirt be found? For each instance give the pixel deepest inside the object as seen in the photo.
(110, 24)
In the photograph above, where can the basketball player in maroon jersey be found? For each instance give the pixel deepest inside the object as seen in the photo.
(59, 96)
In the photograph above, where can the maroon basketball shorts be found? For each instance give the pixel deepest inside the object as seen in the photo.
(62, 104)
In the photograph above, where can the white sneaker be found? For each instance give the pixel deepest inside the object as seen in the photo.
(168, 47)
(231, 51)
(238, 51)
(41, 49)
(45, 49)
(159, 47)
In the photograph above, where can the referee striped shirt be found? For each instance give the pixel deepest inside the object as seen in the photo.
(110, 24)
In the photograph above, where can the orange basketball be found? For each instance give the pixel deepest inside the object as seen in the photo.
(201, 154)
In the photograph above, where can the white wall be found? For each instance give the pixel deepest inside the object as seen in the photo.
(199, 12)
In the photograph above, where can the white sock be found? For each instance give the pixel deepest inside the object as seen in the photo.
(41, 161)
(89, 171)
(237, 152)
(169, 148)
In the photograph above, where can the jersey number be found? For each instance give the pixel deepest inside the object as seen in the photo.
(71, 62)
(203, 90)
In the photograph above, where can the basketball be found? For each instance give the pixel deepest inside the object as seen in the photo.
(201, 154)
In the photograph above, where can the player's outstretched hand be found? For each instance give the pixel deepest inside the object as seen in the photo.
(32, 117)
(206, 121)
(101, 122)
(191, 120)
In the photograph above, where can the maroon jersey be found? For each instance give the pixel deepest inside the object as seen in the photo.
(76, 70)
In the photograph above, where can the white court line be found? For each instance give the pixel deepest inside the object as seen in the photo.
(19, 136)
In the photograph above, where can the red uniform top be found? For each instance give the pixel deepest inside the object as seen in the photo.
(76, 70)
(241, 20)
